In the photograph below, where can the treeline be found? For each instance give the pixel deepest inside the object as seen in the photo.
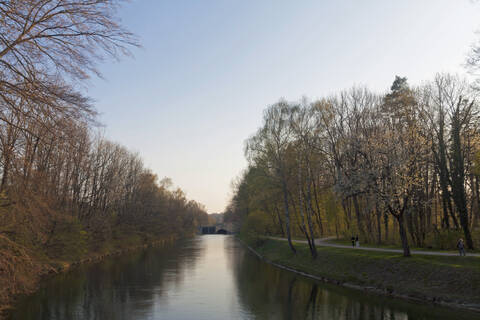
(64, 189)
(401, 167)
(66, 184)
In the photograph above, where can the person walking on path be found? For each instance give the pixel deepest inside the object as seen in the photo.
(357, 242)
(353, 241)
(461, 247)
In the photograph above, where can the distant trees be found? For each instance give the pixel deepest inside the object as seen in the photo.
(346, 163)
(78, 176)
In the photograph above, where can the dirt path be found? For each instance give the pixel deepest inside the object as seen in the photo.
(324, 243)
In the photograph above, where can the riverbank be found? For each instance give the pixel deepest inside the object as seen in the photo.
(22, 269)
(447, 281)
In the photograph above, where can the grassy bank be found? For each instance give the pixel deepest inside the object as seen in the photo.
(22, 268)
(453, 281)
(348, 242)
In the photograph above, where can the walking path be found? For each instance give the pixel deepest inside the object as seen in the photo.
(324, 243)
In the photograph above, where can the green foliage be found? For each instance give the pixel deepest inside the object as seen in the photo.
(476, 164)
(68, 242)
(257, 224)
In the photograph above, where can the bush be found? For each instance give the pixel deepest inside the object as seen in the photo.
(68, 241)
(444, 239)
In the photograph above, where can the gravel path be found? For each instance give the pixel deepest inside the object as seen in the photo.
(324, 243)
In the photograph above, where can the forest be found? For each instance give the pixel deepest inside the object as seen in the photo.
(398, 168)
(65, 190)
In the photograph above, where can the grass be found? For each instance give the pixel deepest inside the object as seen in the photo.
(386, 246)
(446, 278)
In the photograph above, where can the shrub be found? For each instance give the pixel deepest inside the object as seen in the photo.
(68, 241)
(444, 239)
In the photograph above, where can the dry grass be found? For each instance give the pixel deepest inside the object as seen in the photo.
(19, 272)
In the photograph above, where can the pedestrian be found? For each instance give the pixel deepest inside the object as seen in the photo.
(461, 247)
(353, 241)
(357, 242)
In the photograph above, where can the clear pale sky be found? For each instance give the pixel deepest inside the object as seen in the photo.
(196, 90)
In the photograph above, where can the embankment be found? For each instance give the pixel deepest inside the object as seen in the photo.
(446, 281)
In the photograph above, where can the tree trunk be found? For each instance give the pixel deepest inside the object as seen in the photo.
(317, 205)
(477, 211)
(280, 221)
(6, 167)
(458, 176)
(358, 215)
(403, 235)
(287, 216)
(408, 218)
(385, 219)
(310, 211)
(379, 225)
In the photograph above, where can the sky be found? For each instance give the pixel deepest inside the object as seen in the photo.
(196, 89)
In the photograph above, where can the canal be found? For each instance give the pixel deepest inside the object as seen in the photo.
(207, 277)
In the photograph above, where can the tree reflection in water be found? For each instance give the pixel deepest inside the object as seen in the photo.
(270, 293)
(123, 287)
(209, 277)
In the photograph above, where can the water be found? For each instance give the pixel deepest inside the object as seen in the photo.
(208, 277)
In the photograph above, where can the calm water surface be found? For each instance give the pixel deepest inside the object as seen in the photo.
(208, 277)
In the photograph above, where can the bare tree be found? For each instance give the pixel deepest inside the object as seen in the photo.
(271, 146)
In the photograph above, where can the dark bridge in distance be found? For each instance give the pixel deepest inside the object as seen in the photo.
(216, 229)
